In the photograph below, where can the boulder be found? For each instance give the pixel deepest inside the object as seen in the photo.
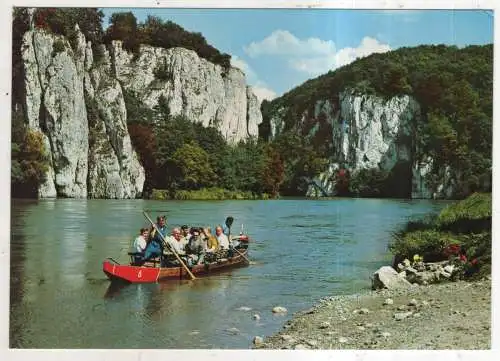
(279, 309)
(387, 277)
(257, 340)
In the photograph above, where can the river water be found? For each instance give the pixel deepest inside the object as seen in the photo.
(301, 250)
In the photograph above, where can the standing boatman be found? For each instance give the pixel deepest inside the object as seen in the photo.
(155, 245)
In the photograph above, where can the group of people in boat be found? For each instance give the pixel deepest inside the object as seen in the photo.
(194, 245)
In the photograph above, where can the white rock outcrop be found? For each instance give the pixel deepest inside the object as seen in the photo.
(367, 132)
(192, 86)
(78, 105)
(59, 84)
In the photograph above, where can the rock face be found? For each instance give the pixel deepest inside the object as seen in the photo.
(369, 132)
(78, 105)
(55, 106)
(192, 86)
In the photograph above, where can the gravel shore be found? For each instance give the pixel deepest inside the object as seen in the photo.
(453, 315)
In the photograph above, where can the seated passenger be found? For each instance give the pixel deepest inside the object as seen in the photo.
(177, 242)
(212, 242)
(139, 246)
(222, 238)
(185, 233)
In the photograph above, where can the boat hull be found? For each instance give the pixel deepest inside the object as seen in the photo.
(144, 274)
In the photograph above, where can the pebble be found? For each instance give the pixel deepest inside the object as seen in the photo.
(402, 315)
(402, 307)
(279, 309)
(369, 325)
(413, 302)
(243, 308)
(256, 317)
(385, 334)
(287, 338)
(233, 330)
(361, 328)
(425, 303)
(257, 340)
(343, 339)
(388, 301)
(312, 343)
(364, 311)
(417, 315)
(324, 324)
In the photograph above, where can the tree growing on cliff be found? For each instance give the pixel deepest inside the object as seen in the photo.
(29, 160)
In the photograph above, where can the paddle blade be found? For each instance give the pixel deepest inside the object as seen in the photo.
(229, 222)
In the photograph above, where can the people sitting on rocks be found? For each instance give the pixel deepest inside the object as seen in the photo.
(155, 245)
(139, 246)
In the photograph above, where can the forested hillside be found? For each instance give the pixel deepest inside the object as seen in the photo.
(453, 86)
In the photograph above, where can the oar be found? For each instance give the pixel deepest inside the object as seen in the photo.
(169, 246)
(229, 223)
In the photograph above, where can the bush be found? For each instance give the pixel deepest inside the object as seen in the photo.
(212, 193)
(430, 244)
(58, 47)
(462, 229)
(467, 215)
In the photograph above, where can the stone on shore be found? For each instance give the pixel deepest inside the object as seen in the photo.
(256, 317)
(257, 340)
(402, 315)
(387, 277)
(279, 309)
(388, 301)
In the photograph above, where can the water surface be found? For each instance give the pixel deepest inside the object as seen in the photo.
(303, 250)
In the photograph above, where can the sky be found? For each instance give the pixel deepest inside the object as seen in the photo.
(279, 49)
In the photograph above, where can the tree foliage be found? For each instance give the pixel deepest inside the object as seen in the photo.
(159, 33)
(29, 159)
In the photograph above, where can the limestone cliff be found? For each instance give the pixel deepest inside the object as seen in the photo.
(79, 107)
(192, 86)
(369, 132)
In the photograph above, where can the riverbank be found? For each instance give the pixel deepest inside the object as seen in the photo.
(451, 315)
(206, 194)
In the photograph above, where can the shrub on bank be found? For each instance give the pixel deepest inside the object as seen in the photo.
(213, 194)
(461, 231)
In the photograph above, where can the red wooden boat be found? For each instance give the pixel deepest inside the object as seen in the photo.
(151, 272)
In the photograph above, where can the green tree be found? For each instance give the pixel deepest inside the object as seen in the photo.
(30, 161)
(193, 167)
(273, 173)
(123, 26)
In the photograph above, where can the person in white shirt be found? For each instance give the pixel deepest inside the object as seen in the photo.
(222, 238)
(139, 245)
(177, 242)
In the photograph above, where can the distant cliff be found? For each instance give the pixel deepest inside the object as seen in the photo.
(78, 104)
(418, 119)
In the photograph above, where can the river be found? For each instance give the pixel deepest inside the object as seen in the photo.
(301, 250)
